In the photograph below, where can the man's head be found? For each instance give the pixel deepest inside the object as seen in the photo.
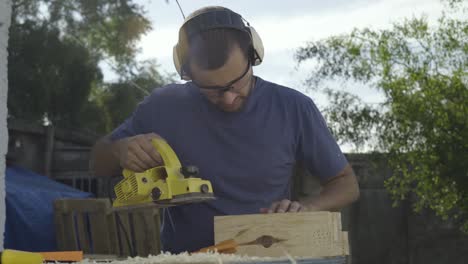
(216, 51)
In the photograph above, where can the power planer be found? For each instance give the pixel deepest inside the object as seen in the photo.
(167, 185)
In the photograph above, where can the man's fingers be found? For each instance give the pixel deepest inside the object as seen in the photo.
(150, 150)
(295, 207)
(283, 206)
(142, 156)
(137, 167)
(138, 153)
(134, 165)
(152, 135)
(134, 162)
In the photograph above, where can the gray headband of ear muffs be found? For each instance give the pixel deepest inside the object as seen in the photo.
(211, 19)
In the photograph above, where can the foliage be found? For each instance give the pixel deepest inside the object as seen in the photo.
(124, 96)
(105, 28)
(48, 76)
(422, 124)
(55, 49)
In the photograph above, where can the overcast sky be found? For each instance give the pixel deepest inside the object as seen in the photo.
(283, 26)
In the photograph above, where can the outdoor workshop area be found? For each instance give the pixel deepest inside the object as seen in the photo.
(234, 132)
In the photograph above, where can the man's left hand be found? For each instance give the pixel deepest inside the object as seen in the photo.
(284, 206)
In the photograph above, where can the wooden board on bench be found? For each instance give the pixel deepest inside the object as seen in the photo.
(308, 234)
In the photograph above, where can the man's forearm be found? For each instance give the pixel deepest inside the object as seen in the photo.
(104, 161)
(336, 194)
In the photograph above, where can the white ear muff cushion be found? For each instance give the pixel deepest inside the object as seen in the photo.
(176, 60)
(178, 64)
(258, 45)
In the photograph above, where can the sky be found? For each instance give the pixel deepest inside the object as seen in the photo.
(284, 26)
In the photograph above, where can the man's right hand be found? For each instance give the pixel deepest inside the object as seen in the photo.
(137, 153)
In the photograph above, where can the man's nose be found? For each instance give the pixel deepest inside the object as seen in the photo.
(228, 97)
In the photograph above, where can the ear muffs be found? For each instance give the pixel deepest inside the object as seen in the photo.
(178, 64)
(257, 45)
(211, 19)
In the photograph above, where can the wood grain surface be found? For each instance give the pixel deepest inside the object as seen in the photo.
(310, 234)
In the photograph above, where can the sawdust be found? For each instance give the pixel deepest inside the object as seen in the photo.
(166, 258)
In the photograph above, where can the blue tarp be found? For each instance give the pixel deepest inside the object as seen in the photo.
(29, 209)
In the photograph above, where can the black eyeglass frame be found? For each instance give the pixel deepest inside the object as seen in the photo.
(226, 87)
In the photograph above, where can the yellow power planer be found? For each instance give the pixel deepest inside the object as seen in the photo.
(163, 186)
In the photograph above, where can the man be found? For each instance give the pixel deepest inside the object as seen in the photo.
(244, 134)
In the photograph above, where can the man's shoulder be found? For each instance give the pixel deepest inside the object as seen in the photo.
(170, 96)
(171, 91)
(285, 93)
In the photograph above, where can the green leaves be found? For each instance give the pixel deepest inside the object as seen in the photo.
(54, 52)
(422, 124)
(354, 122)
(48, 76)
(106, 28)
(123, 96)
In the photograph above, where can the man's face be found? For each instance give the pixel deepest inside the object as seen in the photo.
(228, 86)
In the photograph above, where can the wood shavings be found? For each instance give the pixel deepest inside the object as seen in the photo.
(167, 258)
(216, 258)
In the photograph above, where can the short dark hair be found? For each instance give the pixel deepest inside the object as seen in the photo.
(210, 49)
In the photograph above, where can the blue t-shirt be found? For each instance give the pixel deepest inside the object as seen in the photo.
(248, 156)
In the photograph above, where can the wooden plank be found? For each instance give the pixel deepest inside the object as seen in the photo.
(84, 205)
(113, 235)
(59, 230)
(153, 218)
(310, 234)
(100, 233)
(69, 232)
(140, 226)
(70, 240)
(131, 230)
(145, 224)
(104, 235)
(124, 227)
(336, 227)
(345, 243)
(83, 232)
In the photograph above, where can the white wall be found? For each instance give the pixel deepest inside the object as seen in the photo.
(5, 12)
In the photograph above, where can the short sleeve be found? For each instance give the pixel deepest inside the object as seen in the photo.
(317, 147)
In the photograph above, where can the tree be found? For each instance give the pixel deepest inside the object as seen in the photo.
(422, 125)
(49, 76)
(123, 95)
(55, 50)
(107, 29)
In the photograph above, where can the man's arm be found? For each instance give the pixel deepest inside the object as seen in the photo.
(338, 192)
(134, 153)
(104, 158)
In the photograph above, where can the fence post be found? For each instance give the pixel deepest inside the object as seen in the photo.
(5, 14)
